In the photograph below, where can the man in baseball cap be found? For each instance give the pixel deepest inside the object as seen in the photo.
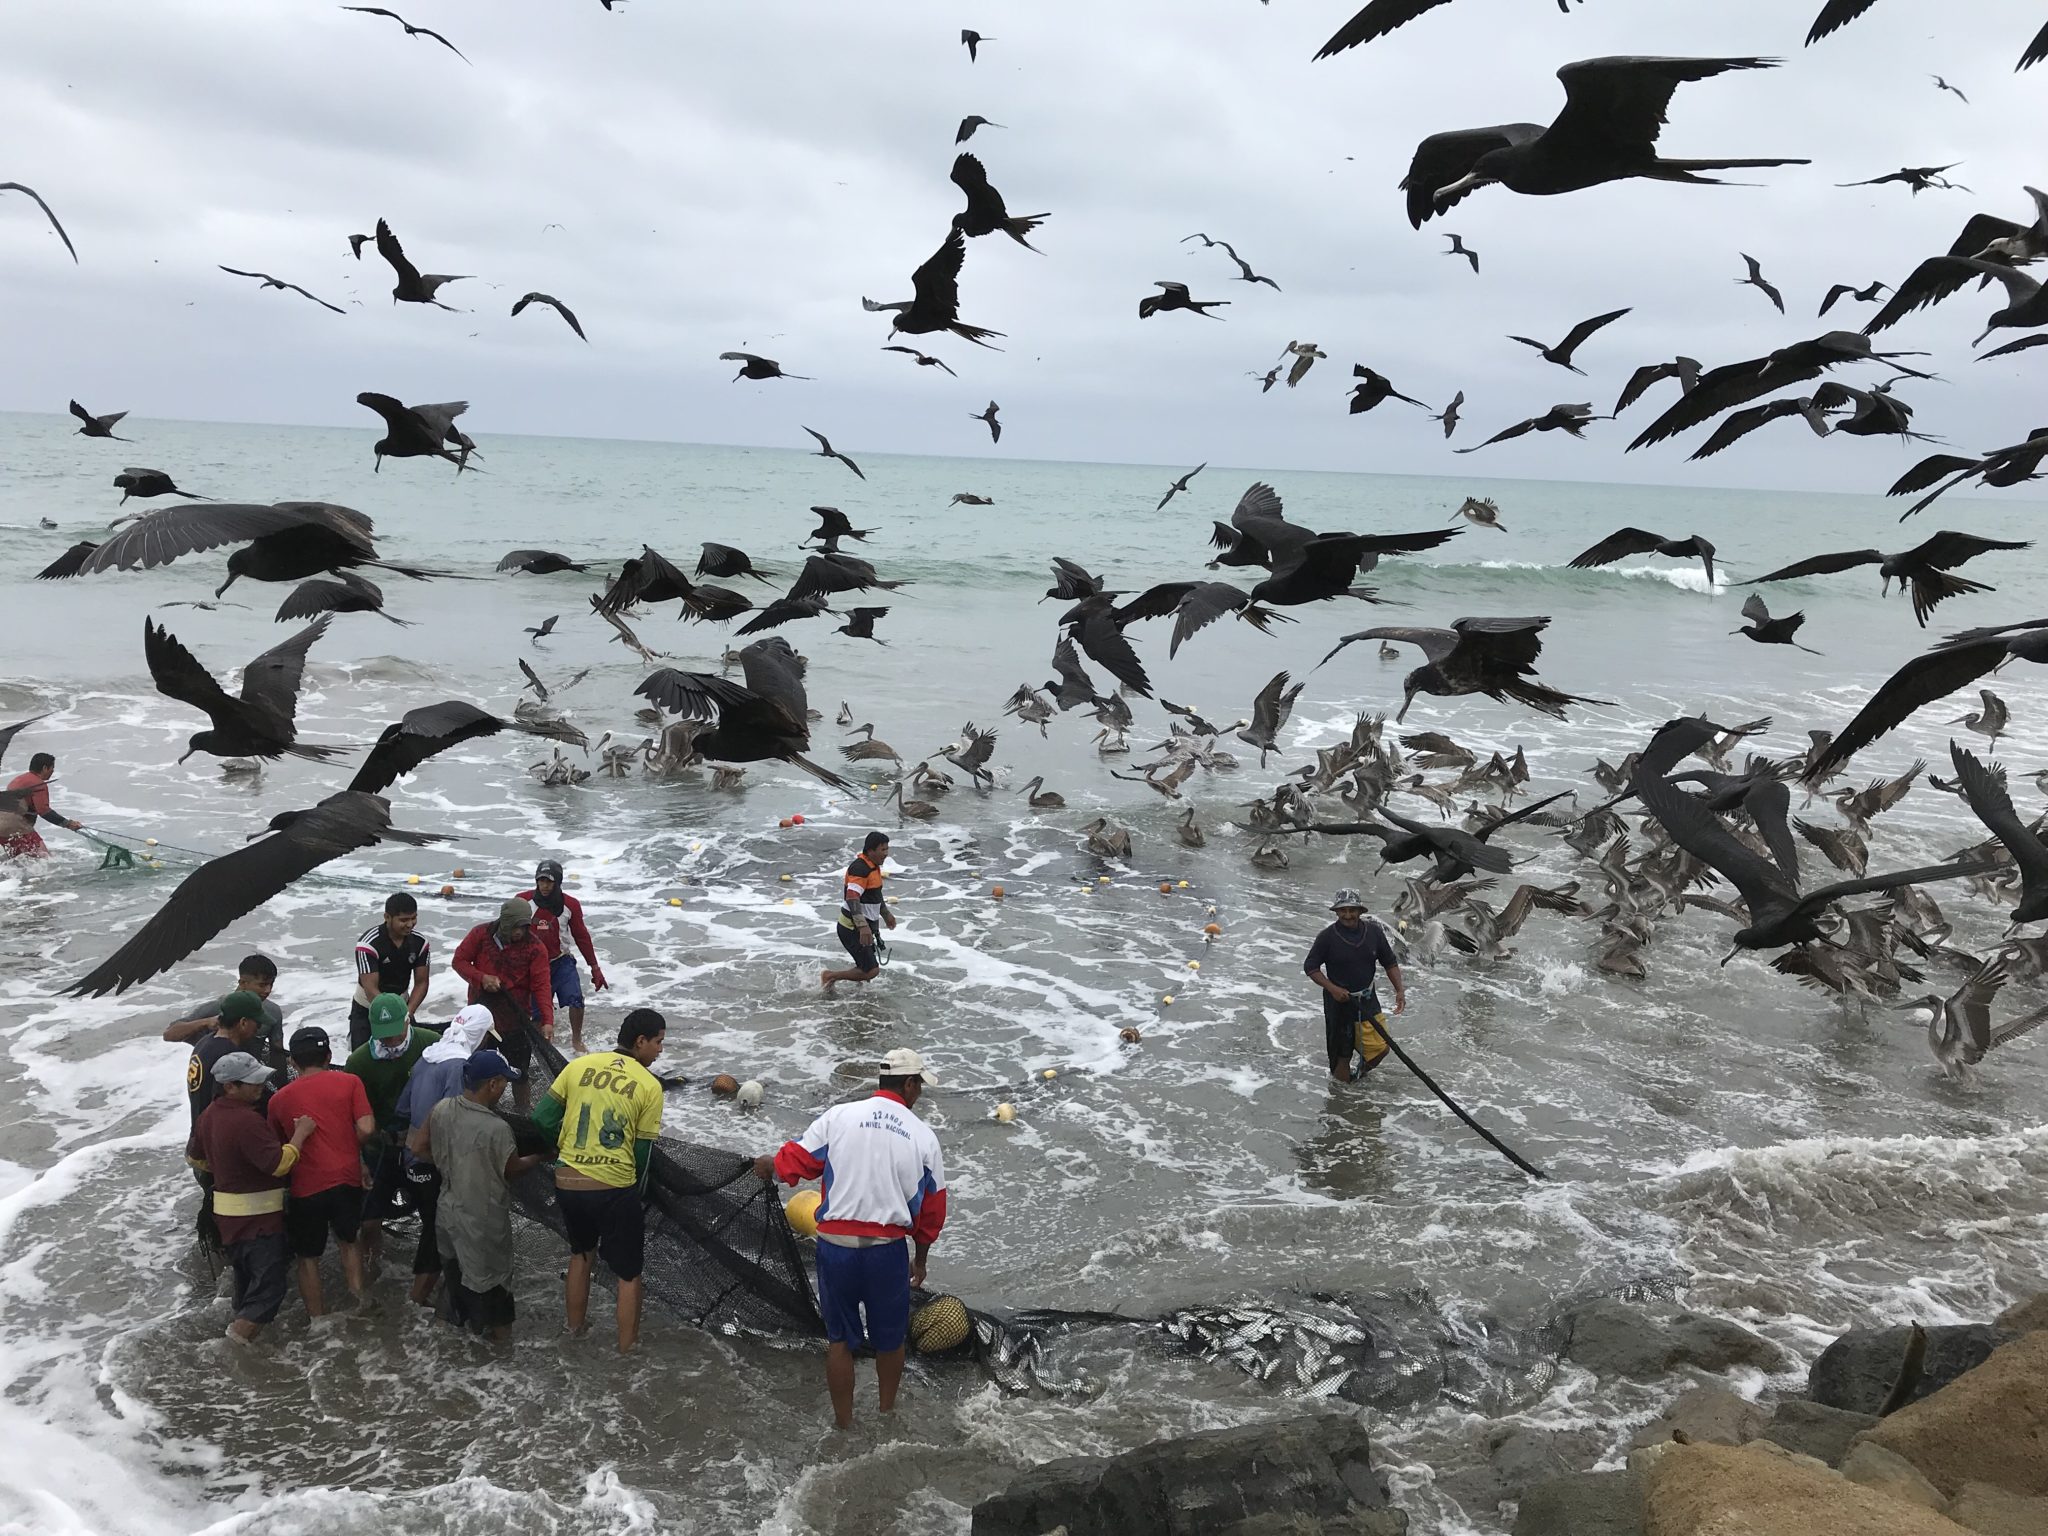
(1341, 962)
(507, 971)
(385, 1063)
(473, 1147)
(248, 1166)
(884, 1205)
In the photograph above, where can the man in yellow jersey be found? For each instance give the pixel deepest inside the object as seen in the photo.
(605, 1109)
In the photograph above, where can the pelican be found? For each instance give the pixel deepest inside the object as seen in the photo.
(923, 810)
(870, 750)
(1043, 799)
(1189, 831)
(1107, 840)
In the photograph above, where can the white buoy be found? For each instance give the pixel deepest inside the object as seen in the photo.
(750, 1095)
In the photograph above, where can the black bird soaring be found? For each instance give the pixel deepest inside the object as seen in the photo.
(727, 563)
(261, 722)
(432, 729)
(1176, 296)
(343, 592)
(1684, 369)
(1868, 294)
(826, 574)
(785, 610)
(1732, 384)
(1873, 413)
(988, 419)
(767, 718)
(97, 426)
(539, 562)
(413, 286)
(1561, 354)
(1449, 414)
(1180, 485)
(1375, 389)
(1918, 177)
(924, 359)
(1458, 248)
(410, 29)
(935, 305)
(1922, 570)
(1096, 625)
(1983, 238)
(2001, 467)
(1194, 606)
(860, 624)
(265, 280)
(651, 578)
(37, 198)
(1762, 284)
(1640, 541)
(1381, 17)
(827, 451)
(971, 41)
(985, 213)
(1559, 418)
(1245, 274)
(1765, 630)
(753, 367)
(834, 525)
(418, 431)
(1458, 853)
(557, 306)
(1072, 582)
(1778, 913)
(236, 884)
(969, 124)
(1496, 657)
(1607, 131)
(145, 483)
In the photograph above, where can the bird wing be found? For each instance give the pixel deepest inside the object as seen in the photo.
(2036, 51)
(1753, 608)
(1938, 277)
(693, 695)
(1822, 565)
(1066, 661)
(1949, 549)
(1585, 328)
(557, 306)
(1741, 423)
(1617, 545)
(396, 413)
(272, 680)
(419, 735)
(70, 563)
(1519, 429)
(732, 357)
(316, 596)
(1835, 15)
(1935, 467)
(519, 559)
(1102, 638)
(1435, 644)
(1769, 804)
(31, 192)
(1445, 158)
(224, 889)
(937, 282)
(179, 675)
(1377, 19)
(295, 288)
(1707, 838)
(2023, 345)
(1159, 601)
(9, 732)
(971, 177)
(1984, 788)
(1203, 604)
(775, 673)
(1833, 294)
(389, 248)
(1622, 100)
(440, 420)
(1259, 503)
(1918, 683)
(830, 573)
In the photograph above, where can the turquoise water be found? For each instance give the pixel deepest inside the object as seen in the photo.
(1790, 1163)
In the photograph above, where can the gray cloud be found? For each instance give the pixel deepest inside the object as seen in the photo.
(740, 176)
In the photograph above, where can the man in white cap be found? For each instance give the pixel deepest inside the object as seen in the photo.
(249, 1168)
(1341, 962)
(885, 1201)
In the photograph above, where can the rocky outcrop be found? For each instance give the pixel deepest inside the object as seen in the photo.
(1612, 1338)
(1581, 1504)
(2029, 1316)
(1872, 1466)
(1314, 1470)
(1990, 1426)
(1992, 1511)
(1716, 1490)
(1858, 1370)
(1359, 1522)
(1816, 1430)
(1705, 1416)
(1520, 1456)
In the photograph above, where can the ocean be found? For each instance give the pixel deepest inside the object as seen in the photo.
(1773, 1156)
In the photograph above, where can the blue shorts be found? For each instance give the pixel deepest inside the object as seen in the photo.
(566, 980)
(875, 1279)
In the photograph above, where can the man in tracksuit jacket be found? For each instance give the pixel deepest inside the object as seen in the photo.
(885, 1201)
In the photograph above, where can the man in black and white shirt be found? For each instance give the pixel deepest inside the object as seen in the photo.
(391, 957)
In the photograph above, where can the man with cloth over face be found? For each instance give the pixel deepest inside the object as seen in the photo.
(554, 909)
(1341, 962)
(885, 1202)
(507, 971)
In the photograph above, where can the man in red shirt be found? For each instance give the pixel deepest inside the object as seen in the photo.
(507, 971)
(327, 1181)
(552, 907)
(30, 792)
(248, 1165)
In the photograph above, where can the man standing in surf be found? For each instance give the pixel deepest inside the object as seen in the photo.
(30, 803)
(1341, 962)
(861, 909)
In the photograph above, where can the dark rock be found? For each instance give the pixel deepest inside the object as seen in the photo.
(1582, 1504)
(1199, 1485)
(1359, 1522)
(1612, 1338)
(1815, 1429)
(1521, 1457)
(1857, 1370)
(1704, 1416)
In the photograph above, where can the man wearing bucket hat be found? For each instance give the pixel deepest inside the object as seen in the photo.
(884, 1205)
(507, 971)
(249, 1167)
(1341, 962)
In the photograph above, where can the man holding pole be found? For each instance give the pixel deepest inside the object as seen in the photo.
(1341, 962)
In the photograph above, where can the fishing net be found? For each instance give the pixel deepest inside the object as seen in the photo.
(719, 1254)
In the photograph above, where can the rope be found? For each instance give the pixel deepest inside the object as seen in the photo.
(1452, 1104)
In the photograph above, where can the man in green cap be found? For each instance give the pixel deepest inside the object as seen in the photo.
(385, 1064)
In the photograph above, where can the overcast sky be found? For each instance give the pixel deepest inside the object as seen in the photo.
(739, 174)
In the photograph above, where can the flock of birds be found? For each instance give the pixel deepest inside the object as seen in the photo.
(1697, 829)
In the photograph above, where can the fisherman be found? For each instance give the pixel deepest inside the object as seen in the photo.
(391, 957)
(473, 1147)
(235, 1022)
(256, 974)
(551, 905)
(437, 1077)
(327, 1180)
(385, 1063)
(1341, 962)
(507, 971)
(32, 790)
(248, 1166)
(885, 1202)
(605, 1108)
(862, 908)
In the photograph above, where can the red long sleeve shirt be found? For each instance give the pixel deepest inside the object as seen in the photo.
(548, 928)
(521, 967)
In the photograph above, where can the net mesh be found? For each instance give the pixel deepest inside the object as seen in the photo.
(719, 1254)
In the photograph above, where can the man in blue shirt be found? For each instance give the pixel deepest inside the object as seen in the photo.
(1341, 962)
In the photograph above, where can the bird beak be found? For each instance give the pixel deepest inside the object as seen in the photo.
(187, 753)
(1731, 954)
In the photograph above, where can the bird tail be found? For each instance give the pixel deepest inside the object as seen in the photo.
(973, 333)
(1023, 224)
(891, 586)
(1684, 170)
(391, 618)
(819, 771)
(1263, 619)
(553, 730)
(1549, 700)
(1931, 587)
(419, 573)
(314, 754)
